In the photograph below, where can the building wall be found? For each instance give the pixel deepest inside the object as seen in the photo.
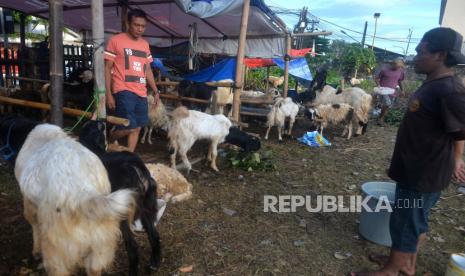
(453, 16)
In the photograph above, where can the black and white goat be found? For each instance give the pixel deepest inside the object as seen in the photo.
(334, 114)
(66, 192)
(127, 171)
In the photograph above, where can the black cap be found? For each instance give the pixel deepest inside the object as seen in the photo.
(446, 39)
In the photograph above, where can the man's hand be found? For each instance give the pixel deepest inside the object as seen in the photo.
(110, 102)
(459, 171)
(157, 98)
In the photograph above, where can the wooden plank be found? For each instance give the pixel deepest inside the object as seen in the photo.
(65, 110)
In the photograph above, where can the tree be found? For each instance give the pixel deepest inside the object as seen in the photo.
(352, 58)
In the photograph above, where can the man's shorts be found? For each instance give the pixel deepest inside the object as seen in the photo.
(386, 100)
(132, 107)
(409, 218)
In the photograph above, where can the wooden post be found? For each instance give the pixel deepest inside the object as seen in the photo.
(267, 78)
(56, 60)
(124, 15)
(240, 61)
(286, 64)
(22, 48)
(99, 67)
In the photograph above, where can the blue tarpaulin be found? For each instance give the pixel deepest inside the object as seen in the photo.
(298, 68)
(226, 69)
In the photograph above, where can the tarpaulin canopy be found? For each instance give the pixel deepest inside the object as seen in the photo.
(298, 68)
(226, 69)
(217, 22)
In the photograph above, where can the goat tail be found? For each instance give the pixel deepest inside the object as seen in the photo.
(180, 113)
(119, 205)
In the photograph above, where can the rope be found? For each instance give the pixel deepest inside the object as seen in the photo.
(9, 152)
(71, 129)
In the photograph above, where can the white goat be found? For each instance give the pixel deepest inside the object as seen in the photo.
(223, 96)
(353, 96)
(282, 109)
(158, 118)
(188, 126)
(67, 200)
(333, 114)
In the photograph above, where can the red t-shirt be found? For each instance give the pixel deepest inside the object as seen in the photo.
(131, 58)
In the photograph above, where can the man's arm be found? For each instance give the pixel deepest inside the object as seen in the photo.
(108, 94)
(459, 172)
(152, 84)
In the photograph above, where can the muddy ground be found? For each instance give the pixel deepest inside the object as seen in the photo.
(199, 233)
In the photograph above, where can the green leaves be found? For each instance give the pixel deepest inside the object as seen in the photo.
(252, 161)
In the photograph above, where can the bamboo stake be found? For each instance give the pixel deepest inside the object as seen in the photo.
(56, 60)
(240, 60)
(286, 65)
(98, 40)
(65, 110)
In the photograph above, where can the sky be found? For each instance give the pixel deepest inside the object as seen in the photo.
(397, 17)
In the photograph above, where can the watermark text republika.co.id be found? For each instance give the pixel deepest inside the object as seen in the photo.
(334, 203)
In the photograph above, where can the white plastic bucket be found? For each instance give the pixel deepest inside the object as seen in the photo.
(456, 265)
(374, 226)
(384, 90)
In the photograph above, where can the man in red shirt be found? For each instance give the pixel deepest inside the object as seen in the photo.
(127, 72)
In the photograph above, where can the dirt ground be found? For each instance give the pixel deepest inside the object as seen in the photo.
(198, 232)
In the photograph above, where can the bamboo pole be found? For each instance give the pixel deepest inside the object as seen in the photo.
(240, 60)
(267, 78)
(56, 60)
(286, 65)
(65, 110)
(98, 40)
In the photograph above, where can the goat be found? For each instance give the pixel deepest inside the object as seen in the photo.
(320, 93)
(79, 93)
(223, 96)
(66, 192)
(158, 118)
(188, 126)
(353, 96)
(243, 140)
(282, 108)
(172, 185)
(326, 114)
(127, 171)
(196, 90)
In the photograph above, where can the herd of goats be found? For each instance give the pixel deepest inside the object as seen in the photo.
(78, 196)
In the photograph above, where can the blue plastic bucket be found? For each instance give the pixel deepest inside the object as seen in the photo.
(374, 226)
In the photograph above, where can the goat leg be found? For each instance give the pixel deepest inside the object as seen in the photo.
(150, 135)
(267, 132)
(154, 239)
(173, 155)
(131, 248)
(291, 124)
(142, 140)
(280, 130)
(214, 154)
